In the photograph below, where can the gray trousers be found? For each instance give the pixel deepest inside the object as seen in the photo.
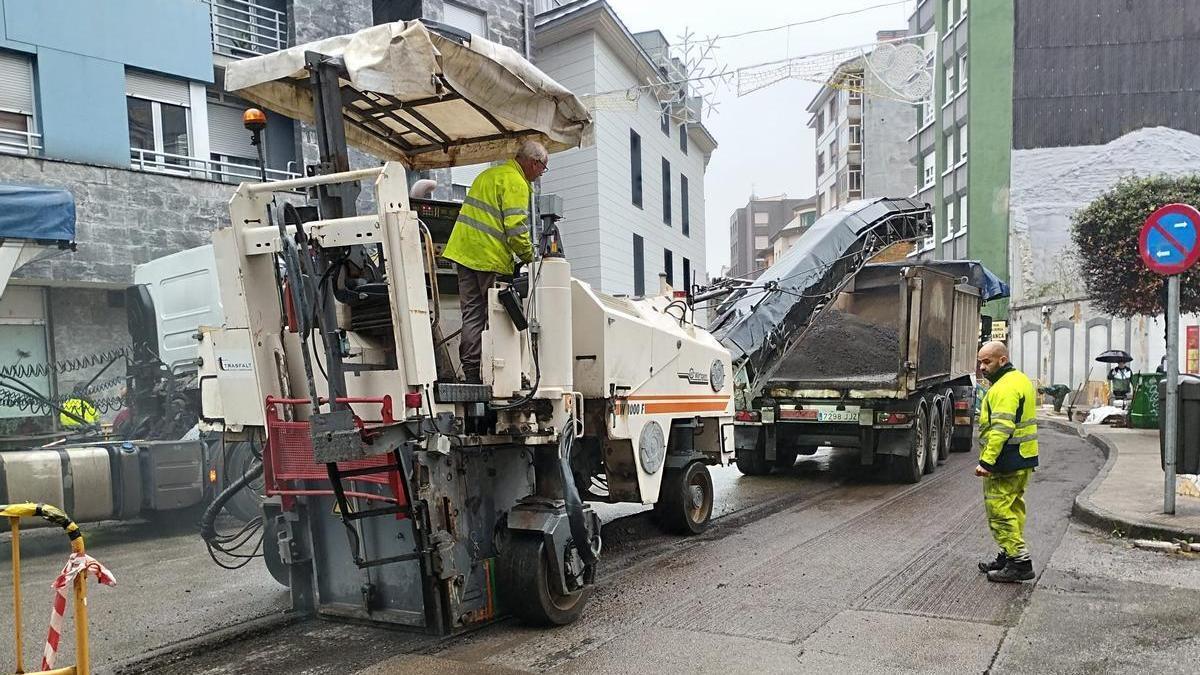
(473, 286)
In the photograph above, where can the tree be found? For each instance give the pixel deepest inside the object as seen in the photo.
(1106, 237)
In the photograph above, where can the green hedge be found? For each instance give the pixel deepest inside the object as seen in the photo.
(1106, 235)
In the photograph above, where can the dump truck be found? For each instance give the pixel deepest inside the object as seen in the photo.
(832, 350)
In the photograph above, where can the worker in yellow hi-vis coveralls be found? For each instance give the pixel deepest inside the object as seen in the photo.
(1008, 454)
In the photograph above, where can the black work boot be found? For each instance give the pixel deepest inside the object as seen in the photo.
(994, 565)
(1016, 569)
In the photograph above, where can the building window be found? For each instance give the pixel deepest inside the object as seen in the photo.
(962, 71)
(927, 113)
(950, 86)
(820, 163)
(16, 105)
(854, 85)
(950, 217)
(159, 122)
(687, 274)
(820, 122)
(665, 120)
(761, 242)
(963, 8)
(962, 213)
(666, 188)
(833, 108)
(833, 154)
(467, 18)
(855, 134)
(962, 143)
(683, 139)
(684, 215)
(929, 166)
(669, 266)
(639, 266)
(762, 218)
(635, 167)
(855, 181)
(951, 156)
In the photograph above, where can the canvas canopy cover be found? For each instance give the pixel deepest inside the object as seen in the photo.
(37, 213)
(427, 96)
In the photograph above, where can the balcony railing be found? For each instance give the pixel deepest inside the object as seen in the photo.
(14, 142)
(243, 28)
(204, 169)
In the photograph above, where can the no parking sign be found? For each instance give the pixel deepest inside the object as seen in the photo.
(1169, 242)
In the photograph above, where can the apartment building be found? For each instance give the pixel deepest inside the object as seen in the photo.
(752, 227)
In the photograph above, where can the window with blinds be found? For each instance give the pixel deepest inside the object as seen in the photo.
(16, 105)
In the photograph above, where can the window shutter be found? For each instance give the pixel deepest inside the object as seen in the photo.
(226, 135)
(157, 88)
(16, 83)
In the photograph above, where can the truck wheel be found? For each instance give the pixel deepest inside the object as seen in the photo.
(752, 462)
(685, 501)
(270, 553)
(245, 504)
(933, 435)
(808, 449)
(947, 410)
(909, 468)
(526, 586)
(786, 459)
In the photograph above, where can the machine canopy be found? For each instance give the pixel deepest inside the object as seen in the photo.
(35, 212)
(428, 96)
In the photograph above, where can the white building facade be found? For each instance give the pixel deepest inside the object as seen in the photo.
(634, 199)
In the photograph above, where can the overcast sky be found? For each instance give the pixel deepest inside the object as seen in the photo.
(765, 145)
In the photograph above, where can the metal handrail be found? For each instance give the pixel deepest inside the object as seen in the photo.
(242, 28)
(15, 142)
(196, 167)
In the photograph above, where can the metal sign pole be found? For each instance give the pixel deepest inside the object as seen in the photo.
(1172, 410)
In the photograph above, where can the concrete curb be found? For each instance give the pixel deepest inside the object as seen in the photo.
(1088, 512)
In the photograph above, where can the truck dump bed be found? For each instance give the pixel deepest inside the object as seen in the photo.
(893, 327)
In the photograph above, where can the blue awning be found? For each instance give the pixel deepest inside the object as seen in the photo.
(41, 213)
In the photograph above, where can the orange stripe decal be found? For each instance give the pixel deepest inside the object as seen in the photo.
(653, 408)
(683, 397)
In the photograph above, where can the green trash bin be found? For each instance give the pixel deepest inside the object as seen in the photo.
(1143, 410)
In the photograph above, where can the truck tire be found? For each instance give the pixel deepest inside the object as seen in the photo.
(685, 502)
(246, 504)
(524, 583)
(753, 461)
(933, 433)
(910, 467)
(947, 425)
(785, 458)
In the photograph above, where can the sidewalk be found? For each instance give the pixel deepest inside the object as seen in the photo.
(1127, 495)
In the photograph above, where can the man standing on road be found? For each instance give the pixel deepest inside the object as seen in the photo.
(492, 228)
(1007, 456)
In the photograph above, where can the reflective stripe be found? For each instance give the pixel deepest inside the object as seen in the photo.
(1026, 425)
(515, 212)
(518, 230)
(1023, 439)
(483, 206)
(1003, 416)
(481, 226)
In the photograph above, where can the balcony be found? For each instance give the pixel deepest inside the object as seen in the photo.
(13, 142)
(203, 169)
(243, 28)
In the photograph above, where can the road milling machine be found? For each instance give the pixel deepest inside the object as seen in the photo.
(396, 493)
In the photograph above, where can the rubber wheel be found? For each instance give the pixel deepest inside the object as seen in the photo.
(245, 504)
(807, 449)
(270, 551)
(910, 468)
(933, 435)
(524, 575)
(786, 459)
(947, 436)
(685, 501)
(753, 462)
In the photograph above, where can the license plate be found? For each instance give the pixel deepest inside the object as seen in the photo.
(837, 415)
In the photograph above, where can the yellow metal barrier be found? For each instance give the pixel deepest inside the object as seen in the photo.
(14, 513)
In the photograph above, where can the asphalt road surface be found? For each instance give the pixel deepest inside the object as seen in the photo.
(818, 569)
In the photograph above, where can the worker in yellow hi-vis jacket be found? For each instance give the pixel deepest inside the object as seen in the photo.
(1008, 454)
(492, 228)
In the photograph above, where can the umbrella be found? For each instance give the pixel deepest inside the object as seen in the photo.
(1114, 356)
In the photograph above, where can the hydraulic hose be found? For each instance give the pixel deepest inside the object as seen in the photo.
(208, 529)
(575, 518)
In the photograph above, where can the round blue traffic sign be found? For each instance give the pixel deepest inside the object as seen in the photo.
(1170, 239)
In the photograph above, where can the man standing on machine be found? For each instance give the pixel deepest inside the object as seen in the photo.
(492, 228)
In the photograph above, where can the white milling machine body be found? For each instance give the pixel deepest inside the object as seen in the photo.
(396, 494)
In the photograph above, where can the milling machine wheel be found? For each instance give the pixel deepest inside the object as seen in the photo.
(685, 501)
(525, 585)
(270, 553)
